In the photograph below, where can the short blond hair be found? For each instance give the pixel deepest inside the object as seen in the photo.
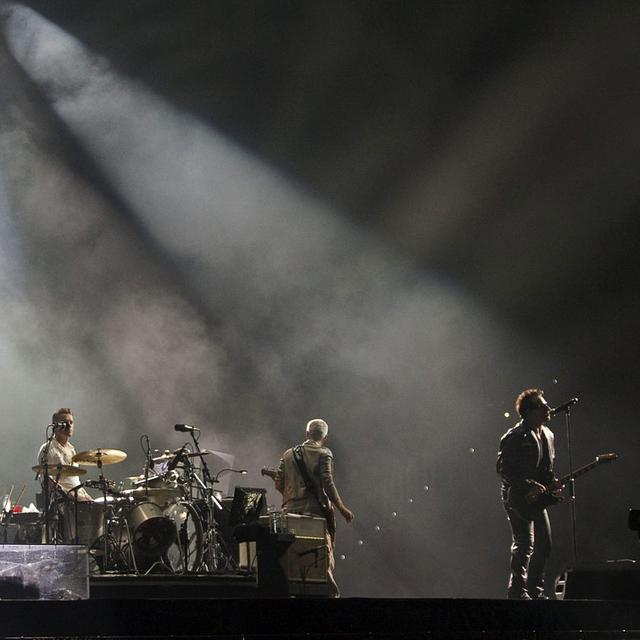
(317, 429)
(61, 412)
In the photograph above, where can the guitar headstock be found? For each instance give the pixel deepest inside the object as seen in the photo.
(606, 457)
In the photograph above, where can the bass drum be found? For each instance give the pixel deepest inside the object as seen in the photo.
(186, 553)
(152, 533)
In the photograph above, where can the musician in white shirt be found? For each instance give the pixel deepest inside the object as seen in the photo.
(61, 451)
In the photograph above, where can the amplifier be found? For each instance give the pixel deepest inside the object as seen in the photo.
(300, 526)
(292, 555)
(306, 560)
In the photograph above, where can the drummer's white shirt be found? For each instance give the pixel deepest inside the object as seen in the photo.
(63, 454)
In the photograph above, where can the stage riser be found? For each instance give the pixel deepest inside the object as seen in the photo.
(310, 619)
(438, 635)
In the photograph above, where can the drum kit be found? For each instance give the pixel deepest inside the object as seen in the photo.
(165, 521)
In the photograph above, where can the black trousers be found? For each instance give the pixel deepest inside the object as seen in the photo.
(530, 549)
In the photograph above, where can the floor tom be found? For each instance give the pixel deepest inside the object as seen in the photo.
(90, 522)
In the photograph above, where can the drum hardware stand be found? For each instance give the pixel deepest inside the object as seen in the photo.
(114, 556)
(52, 500)
(129, 560)
(190, 478)
(159, 563)
(212, 556)
(5, 514)
(213, 536)
(104, 485)
(216, 552)
(75, 511)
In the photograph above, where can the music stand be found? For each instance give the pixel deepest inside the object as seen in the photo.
(247, 506)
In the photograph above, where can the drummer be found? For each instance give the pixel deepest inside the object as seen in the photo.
(61, 451)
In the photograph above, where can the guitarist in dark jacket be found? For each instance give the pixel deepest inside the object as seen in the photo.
(525, 465)
(305, 479)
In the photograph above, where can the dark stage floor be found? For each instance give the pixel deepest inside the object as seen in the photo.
(227, 607)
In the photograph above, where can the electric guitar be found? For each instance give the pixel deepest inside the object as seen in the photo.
(329, 511)
(530, 508)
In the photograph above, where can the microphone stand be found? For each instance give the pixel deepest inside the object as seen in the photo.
(572, 487)
(44, 463)
(147, 467)
(206, 475)
(105, 524)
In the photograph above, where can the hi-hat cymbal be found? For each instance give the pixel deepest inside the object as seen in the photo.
(95, 457)
(60, 470)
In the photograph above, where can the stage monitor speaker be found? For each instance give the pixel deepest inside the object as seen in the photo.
(615, 581)
(301, 526)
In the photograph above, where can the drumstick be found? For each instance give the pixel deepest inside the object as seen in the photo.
(7, 499)
(24, 486)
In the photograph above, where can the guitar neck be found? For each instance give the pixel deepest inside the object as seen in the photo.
(270, 472)
(605, 457)
(578, 472)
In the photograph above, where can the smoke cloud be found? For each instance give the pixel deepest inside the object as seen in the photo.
(180, 279)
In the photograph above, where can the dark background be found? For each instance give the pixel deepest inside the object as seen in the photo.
(488, 151)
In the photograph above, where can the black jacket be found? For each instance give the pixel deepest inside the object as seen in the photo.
(519, 455)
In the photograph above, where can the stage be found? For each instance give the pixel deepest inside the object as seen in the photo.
(235, 607)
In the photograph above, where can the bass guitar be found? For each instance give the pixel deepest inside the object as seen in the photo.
(270, 472)
(530, 508)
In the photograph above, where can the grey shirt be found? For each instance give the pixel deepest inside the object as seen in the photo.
(296, 497)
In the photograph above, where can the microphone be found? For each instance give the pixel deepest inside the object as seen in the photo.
(59, 425)
(173, 463)
(313, 550)
(186, 428)
(564, 407)
(242, 471)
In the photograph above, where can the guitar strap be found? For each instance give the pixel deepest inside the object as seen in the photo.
(311, 485)
(304, 472)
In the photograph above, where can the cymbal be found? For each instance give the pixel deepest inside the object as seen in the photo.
(93, 457)
(60, 470)
(152, 492)
(187, 454)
